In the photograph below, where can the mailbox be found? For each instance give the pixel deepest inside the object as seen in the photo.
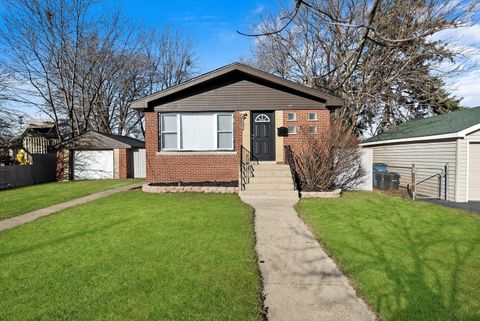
(282, 131)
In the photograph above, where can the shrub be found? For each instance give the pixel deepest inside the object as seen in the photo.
(330, 160)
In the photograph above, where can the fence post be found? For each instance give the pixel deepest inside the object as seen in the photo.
(413, 182)
(446, 181)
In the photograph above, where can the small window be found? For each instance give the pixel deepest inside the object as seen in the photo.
(169, 131)
(262, 118)
(292, 116)
(225, 131)
(312, 129)
(292, 129)
(312, 116)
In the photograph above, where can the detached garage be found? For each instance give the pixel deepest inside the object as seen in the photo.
(95, 155)
(445, 144)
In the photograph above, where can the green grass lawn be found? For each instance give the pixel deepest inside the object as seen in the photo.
(17, 201)
(134, 256)
(410, 260)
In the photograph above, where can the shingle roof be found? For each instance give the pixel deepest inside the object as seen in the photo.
(95, 140)
(438, 125)
(133, 142)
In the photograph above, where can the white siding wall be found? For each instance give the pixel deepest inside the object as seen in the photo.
(473, 193)
(367, 165)
(463, 179)
(423, 154)
(462, 157)
(139, 163)
(461, 183)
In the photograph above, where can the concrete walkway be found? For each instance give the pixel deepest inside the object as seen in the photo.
(22, 219)
(300, 281)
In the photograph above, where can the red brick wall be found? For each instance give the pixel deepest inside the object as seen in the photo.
(189, 167)
(62, 165)
(125, 163)
(302, 123)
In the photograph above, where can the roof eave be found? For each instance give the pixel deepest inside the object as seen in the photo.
(456, 135)
(412, 139)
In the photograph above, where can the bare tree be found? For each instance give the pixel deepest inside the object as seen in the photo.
(329, 161)
(8, 118)
(86, 67)
(164, 59)
(378, 55)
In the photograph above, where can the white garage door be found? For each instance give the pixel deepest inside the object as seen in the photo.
(474, 172)
(93, 164)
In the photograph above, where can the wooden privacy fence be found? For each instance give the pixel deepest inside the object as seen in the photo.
(42, 170)
(39, 145)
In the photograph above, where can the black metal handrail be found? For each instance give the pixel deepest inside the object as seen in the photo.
(290, 160)
(246, 166)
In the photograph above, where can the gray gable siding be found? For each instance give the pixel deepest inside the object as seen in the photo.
(241, 95)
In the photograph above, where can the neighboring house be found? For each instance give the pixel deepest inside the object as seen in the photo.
(195, 131)
(430, 144)
(95, 155)
(37, 137)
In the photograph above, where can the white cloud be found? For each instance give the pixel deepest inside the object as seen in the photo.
(465, 36)
(467, 41)
(468, 87)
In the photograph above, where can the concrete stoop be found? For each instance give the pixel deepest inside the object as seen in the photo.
(270, 180)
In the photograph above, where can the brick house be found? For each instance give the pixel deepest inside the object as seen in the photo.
(196, 131)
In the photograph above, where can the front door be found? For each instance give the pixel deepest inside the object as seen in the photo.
(263, 135)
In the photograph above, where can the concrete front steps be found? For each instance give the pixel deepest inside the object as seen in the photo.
(270, 180)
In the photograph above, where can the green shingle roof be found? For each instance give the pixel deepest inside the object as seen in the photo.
(438, 125)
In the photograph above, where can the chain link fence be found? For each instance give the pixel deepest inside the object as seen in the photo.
(422, 181)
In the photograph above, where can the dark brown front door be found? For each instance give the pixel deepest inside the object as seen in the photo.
(263, 135)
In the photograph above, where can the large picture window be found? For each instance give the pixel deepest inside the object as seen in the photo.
(196, 131)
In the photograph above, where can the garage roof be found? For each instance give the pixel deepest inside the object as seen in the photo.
(451, 125)
(95, 140)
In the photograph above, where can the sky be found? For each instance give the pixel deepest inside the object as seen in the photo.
(210, 24)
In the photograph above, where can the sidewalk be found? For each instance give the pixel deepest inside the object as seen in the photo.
(28, 217)
(301, 283)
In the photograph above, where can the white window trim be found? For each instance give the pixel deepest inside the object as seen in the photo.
(179, 133)
(294, 130)
(316, 116)
(294, 118)
(314, 132)
(168, 132)
(218, 131)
